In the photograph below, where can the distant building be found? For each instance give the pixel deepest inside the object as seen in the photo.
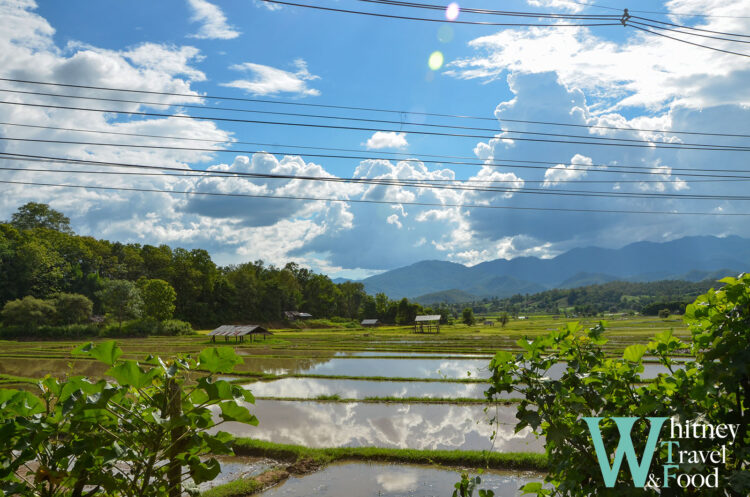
(429, 323)
(489, 322)
(521, 317)
(239, 332)
(295, 315)
(370, 322)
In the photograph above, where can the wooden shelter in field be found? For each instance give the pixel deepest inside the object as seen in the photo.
(489, 322)
(296, 315)
(239, 332)
(429, 323)
(370, 322)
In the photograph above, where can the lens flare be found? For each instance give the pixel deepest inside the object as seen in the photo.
(445, 34)
(436, 60)
(452, 11)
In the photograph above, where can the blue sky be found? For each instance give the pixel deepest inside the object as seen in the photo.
(606, 76)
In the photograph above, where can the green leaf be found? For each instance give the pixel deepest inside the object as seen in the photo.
(634, 353)
(231, 411)
(532, 488)
(107, 352)
(219, 359)
(129, 373)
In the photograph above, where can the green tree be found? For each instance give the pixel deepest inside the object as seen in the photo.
(143, 432)
(158, 299)
(34, 215)
(467, 316)
(503, 318)
(121, 299)
(28, 311)
(72, 308)
(713, 387)
(664, 313)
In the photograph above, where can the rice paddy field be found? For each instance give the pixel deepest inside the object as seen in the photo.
(380, 411)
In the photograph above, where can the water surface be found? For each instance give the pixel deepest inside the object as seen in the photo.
(388, 480)
(309, 388)
(406, 426)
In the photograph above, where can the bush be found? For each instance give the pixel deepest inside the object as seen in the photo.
(29, 312)
(173, 327)
(49, 332)
(72, 308)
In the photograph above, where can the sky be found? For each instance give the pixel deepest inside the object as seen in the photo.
(280, 61)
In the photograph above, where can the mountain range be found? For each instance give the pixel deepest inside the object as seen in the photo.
(691, 258)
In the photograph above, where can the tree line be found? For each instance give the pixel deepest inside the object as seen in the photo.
(42, 258)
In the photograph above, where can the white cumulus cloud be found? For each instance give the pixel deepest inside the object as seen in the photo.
(213, 21)
(267, 80)
(387, 139)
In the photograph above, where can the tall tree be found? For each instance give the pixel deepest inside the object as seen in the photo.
(35, 215)
(121, 299)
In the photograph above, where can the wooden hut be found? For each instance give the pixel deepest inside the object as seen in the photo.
(429, 323)
(370, 322)
(239, 332)
(296, 315)
(489, 322)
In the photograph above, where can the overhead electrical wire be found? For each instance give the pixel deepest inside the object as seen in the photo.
(495, 163)
(664, 13)
(366, 109)
(415, 183)
(425, 19)
(369, 201)
(426, 183)
(510, 163)
(419, 184)
(390, 121)
(642, 144)
(409, 156)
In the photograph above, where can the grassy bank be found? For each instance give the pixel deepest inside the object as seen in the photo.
(457, 458)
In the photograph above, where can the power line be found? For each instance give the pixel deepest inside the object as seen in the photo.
(367, 201)
(509, 13)
(679, 30)
(691, 28)
(409, 183)
(42, 158)
(409, 157)
(632, 25)
(366, 109)
(495, 163)
(425, 19)
(207, 173)
(340, 118)
(388, 121)
(645, 144)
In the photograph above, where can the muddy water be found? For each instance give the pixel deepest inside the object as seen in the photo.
(309, 388)
(407, 426)
(387, 480)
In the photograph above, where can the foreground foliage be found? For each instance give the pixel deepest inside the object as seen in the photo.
(144, 434)
(712, 387)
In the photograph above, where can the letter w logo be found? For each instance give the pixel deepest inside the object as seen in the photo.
(638, 470)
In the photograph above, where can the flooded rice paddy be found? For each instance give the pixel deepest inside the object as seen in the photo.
(404, 426)
(310, 388)
(388, 480)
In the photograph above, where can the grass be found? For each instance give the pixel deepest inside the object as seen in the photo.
(393, 400)
(462, 458)
(236, 488)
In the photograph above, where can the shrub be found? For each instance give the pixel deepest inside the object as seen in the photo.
(144, 432)
(174, 327)
(70, 331)
(28, 312)
(72, 308)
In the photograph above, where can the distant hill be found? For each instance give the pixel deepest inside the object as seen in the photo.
(452, 296)
(690, 258)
